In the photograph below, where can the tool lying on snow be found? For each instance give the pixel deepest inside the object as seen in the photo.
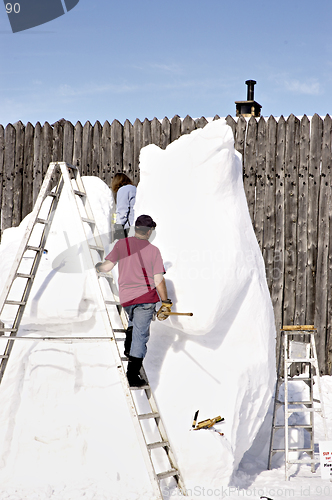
(209, 422)
(206, 424)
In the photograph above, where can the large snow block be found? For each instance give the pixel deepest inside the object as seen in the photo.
(221, 360)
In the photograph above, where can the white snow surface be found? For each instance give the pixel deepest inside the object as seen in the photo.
(65, 430)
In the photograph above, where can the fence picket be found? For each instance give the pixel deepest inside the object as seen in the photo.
(2, 173)
(313, 188)
(9, 170)
(300, 317)
(18, 173)
(322, 291)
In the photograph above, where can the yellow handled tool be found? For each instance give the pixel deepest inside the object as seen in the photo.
(177, 314)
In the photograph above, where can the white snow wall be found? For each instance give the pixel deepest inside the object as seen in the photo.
(222, 360)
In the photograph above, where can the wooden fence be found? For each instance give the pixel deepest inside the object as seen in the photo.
(287, 179)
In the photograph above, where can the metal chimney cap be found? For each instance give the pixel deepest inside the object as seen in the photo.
(248, 82)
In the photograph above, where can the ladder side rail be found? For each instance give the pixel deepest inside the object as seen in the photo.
(27, 234)
(164, 437)
(276, 395)
(88, 257)
(311, 417)
(286, 340)
(35, 264)
(322, 409)
(34, 267)
(87, 206)
(153, 406)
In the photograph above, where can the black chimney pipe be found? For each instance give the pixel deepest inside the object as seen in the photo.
(250, 90)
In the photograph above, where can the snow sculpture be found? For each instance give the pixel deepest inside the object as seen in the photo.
(221, 360)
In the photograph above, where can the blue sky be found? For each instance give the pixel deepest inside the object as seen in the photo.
(107, 60)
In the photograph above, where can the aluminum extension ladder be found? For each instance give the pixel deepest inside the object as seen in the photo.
(106, 294)
(301, 349)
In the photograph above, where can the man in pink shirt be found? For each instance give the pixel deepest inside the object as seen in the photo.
(141, 286)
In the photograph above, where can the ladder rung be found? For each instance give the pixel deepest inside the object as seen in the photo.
(294, 426)
(8, 329)
(88, 221)
(158, 444)
(295, 449)
(124, 358)
(144, 416)
(119, 330)
(295, 402)
(50, 193)
(35, 249)
(168, 473)
(300, 402)
(15, 303)
(112, 303)
(302, 410)
(22, 275)
(4, 356)
(300, 360)
(119, 339)
(42, 221)
(139, 388)
(79, 193)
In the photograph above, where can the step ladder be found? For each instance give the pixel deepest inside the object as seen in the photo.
(297, 345)
(107, 298)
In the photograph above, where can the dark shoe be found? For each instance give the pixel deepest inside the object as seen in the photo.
(134, 366)
(127, 342)
(137, 382)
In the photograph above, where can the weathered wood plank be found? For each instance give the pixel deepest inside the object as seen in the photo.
(47, 149)
(175, 128)
(278, 281)
(9, 172)
(313, 188)
(18, 174)
(128, 149)
(156, 132)
(269, 202)
(290, 218)
(300, 316)
(138, 143)
(324, 213)
(2, 166)
(240, 136)
(87, 149)
(27, 199)
(201, 122)
(96, 149)
(116, 147)
(68, 142)
(106, 154)
(250, 165)
(232, 123)
(187, 125)
(37, 161)
(78, 146)
(261, 181)
(165, 133)
(147, 136)
(57, 150)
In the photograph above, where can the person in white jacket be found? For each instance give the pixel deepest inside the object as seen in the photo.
(125, 195)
